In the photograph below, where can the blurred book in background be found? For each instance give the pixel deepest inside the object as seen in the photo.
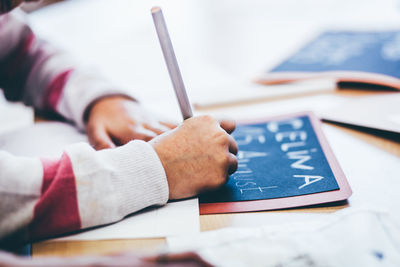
(366, 59)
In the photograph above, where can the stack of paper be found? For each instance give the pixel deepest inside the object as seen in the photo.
(357, 238)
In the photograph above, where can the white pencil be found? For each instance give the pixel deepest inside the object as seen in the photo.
(172, 64)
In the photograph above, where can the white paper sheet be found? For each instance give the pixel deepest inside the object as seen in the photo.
(377, 112)
(48, 139)
(173, 219)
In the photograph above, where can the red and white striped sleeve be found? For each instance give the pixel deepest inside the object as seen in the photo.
(41, 198)
(40, 75)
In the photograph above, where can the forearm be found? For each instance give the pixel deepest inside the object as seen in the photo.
(84, 188)
(29, 67)
(45, 77)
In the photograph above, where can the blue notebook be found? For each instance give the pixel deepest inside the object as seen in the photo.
(349, 56)
(282, 162)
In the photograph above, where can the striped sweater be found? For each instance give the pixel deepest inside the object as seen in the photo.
(40, 198)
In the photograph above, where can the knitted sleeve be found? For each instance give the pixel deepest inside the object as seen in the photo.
(40, 198)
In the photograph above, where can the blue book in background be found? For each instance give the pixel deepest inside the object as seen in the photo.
(361, 57)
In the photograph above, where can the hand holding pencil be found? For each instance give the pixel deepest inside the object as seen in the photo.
(199, 155)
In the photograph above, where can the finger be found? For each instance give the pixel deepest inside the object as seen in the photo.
(157, 128)
(99, 138)
(130, 133)
(124, 135)
(169, 124)
(144, 134)
(233, 164)
(228, 125)
(233, 147)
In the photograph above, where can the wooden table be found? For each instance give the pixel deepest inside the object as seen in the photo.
(363, 193)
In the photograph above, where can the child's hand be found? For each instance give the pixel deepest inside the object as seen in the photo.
(197, 156)
(116, 120)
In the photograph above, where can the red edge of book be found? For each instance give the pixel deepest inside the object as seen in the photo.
(362, 77)
(342, 193)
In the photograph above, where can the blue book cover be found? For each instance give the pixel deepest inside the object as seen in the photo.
(283, 162)
(282, 158)
(348, 56)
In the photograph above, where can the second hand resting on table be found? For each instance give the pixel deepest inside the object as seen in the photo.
(197, 155)
(116, 120)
